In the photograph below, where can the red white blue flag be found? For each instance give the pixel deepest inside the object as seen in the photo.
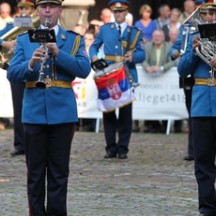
(114, 90)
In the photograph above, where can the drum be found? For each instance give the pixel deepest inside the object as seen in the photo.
(114, 88)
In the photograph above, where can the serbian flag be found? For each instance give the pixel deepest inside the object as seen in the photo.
(114, 90)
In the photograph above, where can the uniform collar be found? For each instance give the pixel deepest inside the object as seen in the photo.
(123, 26)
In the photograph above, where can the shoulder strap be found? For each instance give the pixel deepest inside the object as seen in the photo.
(128, 41)
(76, 45)
(133, 44)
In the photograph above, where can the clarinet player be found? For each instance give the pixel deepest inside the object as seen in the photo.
(49, 114)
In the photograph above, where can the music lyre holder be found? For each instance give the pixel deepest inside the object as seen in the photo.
(42, 35)
(99, 65)
(208, 31)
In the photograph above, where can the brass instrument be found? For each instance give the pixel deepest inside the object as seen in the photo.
(6, 55)
(207, 42)
(206, 51)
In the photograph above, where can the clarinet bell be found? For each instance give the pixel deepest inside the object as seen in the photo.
(41, 82)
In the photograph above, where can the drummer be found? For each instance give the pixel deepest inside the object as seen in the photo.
(124, 43)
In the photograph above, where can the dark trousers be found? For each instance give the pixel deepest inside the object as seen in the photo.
(188, 98)
(204, 137)
(47, 157)
(17, 91)
(121, 125)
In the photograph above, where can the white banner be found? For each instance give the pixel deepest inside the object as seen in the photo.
(6, 108)
(157, 97)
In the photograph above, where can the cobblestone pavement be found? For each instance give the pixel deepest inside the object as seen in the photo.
(153, 181)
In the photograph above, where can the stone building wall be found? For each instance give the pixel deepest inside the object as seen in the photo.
(75, 12)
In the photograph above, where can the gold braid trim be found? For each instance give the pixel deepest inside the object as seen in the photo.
(76, 45)
(124, 44)
(135, 40)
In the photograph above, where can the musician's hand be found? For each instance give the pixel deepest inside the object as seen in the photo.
(213, 62)
(196, 42)
(9, 45)
(175, 54)
(37, 55)
(53, 48)
(94, 59)
(129, 56)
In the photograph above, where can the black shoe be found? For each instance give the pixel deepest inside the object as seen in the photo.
(17, 152)
(189, 158)
(110, 155)
(122, 156)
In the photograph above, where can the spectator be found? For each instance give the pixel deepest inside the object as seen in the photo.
(189, 7)
(129, 19)
(157, 62)
(89, 39)
(164, 16)
(146, 24)
(106, 16)
(174, 23)
(5, 14)
(173, 34)
(79, 29)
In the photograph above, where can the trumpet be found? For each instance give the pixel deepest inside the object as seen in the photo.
(41, 82)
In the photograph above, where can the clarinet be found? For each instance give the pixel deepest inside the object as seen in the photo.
(41, 82)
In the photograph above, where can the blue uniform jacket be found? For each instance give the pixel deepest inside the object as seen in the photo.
(203, 97)
(7, 28)
(115, 46)
(53, 105)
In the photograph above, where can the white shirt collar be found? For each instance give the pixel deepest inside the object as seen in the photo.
(123, 26)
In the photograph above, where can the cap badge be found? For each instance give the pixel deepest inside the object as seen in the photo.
(118, 4)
